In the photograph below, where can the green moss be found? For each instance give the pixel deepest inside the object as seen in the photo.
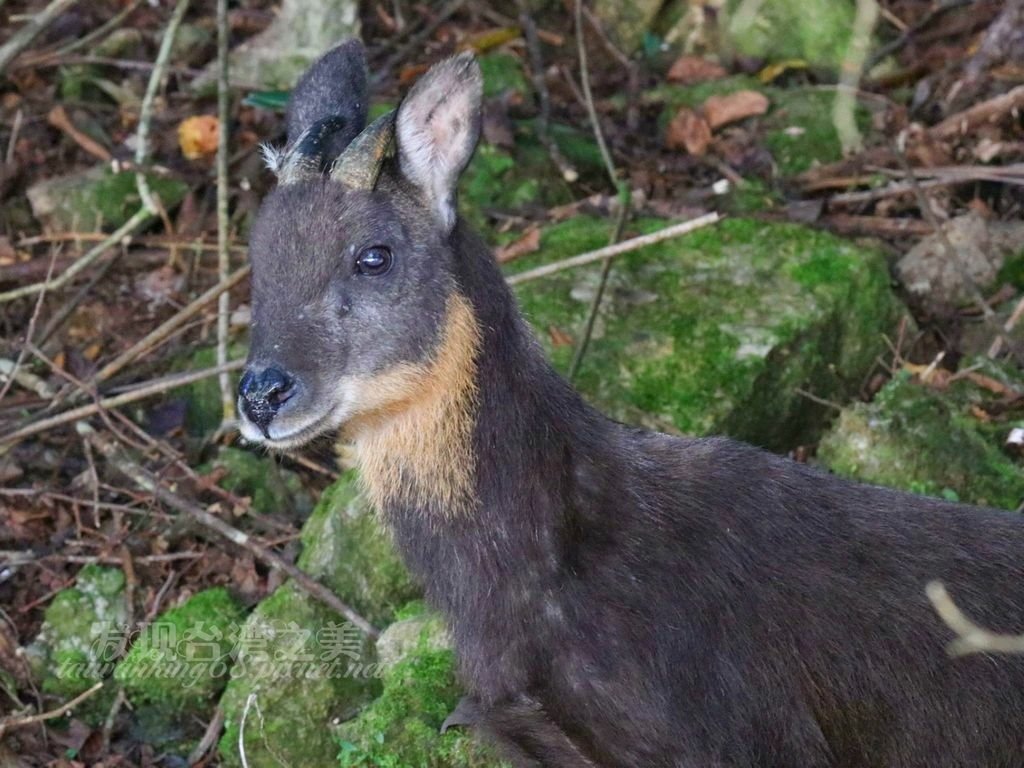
(402, 727)
(97, 198)
(202, 398)
(1013, 272)
(917, 439)
(181, 660)
(503, 73)
(82, 634)
(301, 668)
(271, 487)
(817, 31)
(715, 332)
(346, 548)
(799, 131)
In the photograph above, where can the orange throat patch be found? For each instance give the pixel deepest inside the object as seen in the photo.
(413, 433)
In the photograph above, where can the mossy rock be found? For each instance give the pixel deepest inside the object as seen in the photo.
(815, 31)
(270, 487)
(503, 73)
(313, 668)
(345, 547)
(81, 637)
(717, 331)
(927, 441)
(96, 199)
(180, 661)
(401, 728)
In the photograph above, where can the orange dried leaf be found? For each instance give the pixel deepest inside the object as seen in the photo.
(528, 243)
(688, 131)
(690, 70)
(559, 338)
(197, 136)
(722, 110)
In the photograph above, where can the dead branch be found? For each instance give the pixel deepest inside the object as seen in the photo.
(21, 39)
(53, 714)
(149, 483)
(610, 251)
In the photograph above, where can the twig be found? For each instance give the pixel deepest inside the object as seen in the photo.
(108, 26)
(416, 41)
(569, 173)
(53, 714)
(610, 251)
(843, 117)
(227, 399)
(145, 480)
(156, 387)
(581, 49)
(170, 325)
(146, 110)
(613, 177)
(250, 699)
(210, 737)
(140, 217)
(977, 115)
(12, 375)
(892, 47)
(970, 638)
(1011, 323)
(21, 39)
(602, 282)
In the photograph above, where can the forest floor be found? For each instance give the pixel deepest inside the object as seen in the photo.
(109, 375)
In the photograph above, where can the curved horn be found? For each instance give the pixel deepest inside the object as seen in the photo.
(359, 165)
(302, 161)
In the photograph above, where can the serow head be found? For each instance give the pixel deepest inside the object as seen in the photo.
(353, 262)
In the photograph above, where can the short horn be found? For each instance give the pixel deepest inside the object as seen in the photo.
(359, 165)
(304, 160)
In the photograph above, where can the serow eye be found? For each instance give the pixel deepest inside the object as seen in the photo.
(374, 261)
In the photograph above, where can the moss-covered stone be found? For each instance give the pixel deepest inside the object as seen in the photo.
(345, 547)
(81, 637)
(311, 668)
(927, 441)
(715, 332)
(503, 73)
(816, 31)
(96, 199)
(202, 398)
(181, 660)
(401, 728)
(271, 487)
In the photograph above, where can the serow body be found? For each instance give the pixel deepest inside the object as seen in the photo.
(617, 597)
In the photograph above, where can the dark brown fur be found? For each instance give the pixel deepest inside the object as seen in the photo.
(619, 597)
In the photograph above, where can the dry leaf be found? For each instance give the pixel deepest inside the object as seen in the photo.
(197, 136)
(722, 110)
(689, 70)
(559, 338)
(528, 243)
(410, 74)
(688, 131)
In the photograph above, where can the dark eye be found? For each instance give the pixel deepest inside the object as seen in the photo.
(374, 261)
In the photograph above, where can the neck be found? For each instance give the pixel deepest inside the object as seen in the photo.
(482, 472)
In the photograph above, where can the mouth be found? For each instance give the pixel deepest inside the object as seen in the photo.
(291, 437)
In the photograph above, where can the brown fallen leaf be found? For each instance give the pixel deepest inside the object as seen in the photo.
(688, 131)
(529, 242)
(559, 338)
(690, 70)
(722, 110)
(59, 119)
(197, 136)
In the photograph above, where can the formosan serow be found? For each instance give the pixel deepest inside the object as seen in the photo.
(616, 597)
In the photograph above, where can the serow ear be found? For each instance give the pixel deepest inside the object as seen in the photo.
(326, 111)
(437, 128)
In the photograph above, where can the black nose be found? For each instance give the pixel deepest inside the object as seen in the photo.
(263, 393)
